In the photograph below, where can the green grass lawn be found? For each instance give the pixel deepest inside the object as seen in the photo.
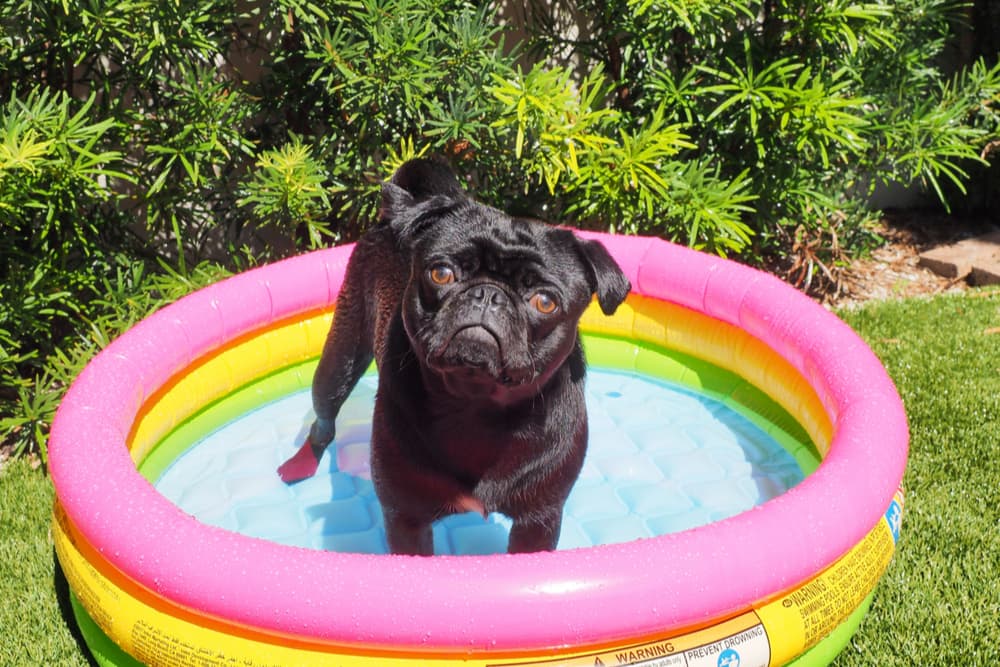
(32, 629)
(939, 603)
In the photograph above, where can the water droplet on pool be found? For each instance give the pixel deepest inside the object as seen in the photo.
(613, 394)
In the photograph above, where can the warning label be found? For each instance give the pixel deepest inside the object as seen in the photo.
(80, 579)
(738, 642)
(651, 655)
(824, 602)
(749, 648)
(151, 646)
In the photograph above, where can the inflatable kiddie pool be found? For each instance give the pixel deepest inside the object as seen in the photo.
(786, 582)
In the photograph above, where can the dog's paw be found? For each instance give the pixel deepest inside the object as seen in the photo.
(301, 465)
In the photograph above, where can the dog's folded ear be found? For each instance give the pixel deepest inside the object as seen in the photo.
(607, 280)
(419, 189)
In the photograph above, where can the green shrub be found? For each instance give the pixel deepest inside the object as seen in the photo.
(138, 139)
(806, 106)
(759, 128)
(53, 180)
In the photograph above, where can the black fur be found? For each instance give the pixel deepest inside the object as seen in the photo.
(480, 401)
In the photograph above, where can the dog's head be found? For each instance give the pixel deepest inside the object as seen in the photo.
(492, 301)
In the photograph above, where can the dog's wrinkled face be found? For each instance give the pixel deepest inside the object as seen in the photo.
(492, 303)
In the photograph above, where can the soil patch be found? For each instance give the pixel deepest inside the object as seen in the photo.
(893, 271)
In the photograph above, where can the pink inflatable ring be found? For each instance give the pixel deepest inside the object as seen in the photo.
(768, 586)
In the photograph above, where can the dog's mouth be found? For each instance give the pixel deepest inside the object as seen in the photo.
(475, 348)
(476, 338)
(472, 360)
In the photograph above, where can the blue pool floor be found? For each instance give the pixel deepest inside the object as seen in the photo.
(660, 459)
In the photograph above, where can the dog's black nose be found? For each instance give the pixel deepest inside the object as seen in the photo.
(488, 297)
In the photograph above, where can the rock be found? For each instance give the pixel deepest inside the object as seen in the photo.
(977, 258)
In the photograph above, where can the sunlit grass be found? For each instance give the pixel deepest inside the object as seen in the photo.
(939, 604)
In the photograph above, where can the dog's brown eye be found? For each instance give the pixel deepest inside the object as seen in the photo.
(544, 304)
(442, 275)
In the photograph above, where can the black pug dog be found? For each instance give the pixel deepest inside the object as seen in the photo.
(471, 316)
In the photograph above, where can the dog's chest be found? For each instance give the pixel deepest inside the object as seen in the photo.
(470, 444)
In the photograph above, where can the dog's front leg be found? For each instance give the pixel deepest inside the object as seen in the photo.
(537, 533)
(412, 491)
(408, 535)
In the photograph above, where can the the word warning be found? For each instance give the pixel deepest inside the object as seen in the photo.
(738, 642)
